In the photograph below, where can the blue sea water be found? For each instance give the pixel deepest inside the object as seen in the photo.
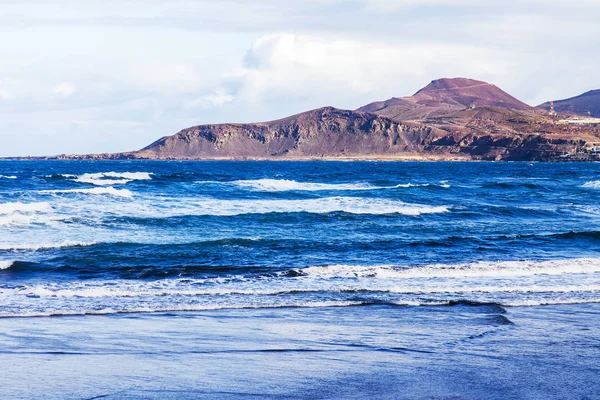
(391, 274)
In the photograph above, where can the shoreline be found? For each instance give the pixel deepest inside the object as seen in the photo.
(304, 159)
(385, 353)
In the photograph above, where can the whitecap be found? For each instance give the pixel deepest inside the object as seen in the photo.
(18, 207)
(283, 185)
(8, 177)
(477, 269)
(6, 264)
(119, 178)
(34, 247)
(94, 191)
(351, 205)
(592, 185)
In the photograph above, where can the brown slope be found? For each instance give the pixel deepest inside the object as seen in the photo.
(485, 122)
(463, 105)
(586, 104)
(446, 97)
(322, 133)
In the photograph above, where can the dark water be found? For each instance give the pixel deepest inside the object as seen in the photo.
(311, 267)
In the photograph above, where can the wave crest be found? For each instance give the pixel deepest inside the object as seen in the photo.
(118, 178)
(18, 207)
(6, 264)
(94, 191)
(34, 247)
(283, 185)
(478, 269)
(592, 185)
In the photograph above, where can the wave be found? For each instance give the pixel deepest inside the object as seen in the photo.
(6, 264)
(18, 207)
(592, 185)
(155, 290)
(119, 178)
(296, 304)
(60, 176)
(94, 191)
(25, 220)
(8, 177)
(351, 205)
(23, 214)
(282, 185)
(35, 247)
(185, 308)
(478, 269)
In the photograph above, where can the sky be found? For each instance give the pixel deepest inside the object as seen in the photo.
(108, 76)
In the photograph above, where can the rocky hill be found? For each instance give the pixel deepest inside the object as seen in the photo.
(587, 104)
(322, 133)
(448, 119)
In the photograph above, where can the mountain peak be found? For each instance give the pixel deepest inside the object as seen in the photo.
(468, 93)
(450, 84)
(446, 97)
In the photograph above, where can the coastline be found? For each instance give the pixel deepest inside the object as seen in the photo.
(378, 158)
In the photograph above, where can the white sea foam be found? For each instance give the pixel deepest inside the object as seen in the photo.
(6, 264)
(20, 220)
(271, 288)
(23, 214)
(8, 177)
(18, 207)
(283, 185)
(479, 269)
(548, 302)
(592, 185)
(182, 308)
(119, 178)
(102, 182)
(66, 243)
(94, 191)
(352, 205)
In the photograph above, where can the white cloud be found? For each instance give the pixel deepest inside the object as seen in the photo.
(327, 70)
(64, 89)
(219, 98)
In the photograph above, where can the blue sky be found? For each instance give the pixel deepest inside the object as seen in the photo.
(106, 76)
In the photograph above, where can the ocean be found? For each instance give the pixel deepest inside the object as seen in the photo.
(227, 280)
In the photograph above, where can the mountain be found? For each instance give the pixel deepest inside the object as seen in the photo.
(446, 98)
(461, 104)
(587, 104)
(448, 119)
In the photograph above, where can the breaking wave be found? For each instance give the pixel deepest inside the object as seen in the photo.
(6, 264)
(94, 191)
(478, 269)
(18, 207)
(273, 288)
(20, 214)
(34, 247)
(351, 205)
(592, 185)
(283, 185)
(118, 178)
